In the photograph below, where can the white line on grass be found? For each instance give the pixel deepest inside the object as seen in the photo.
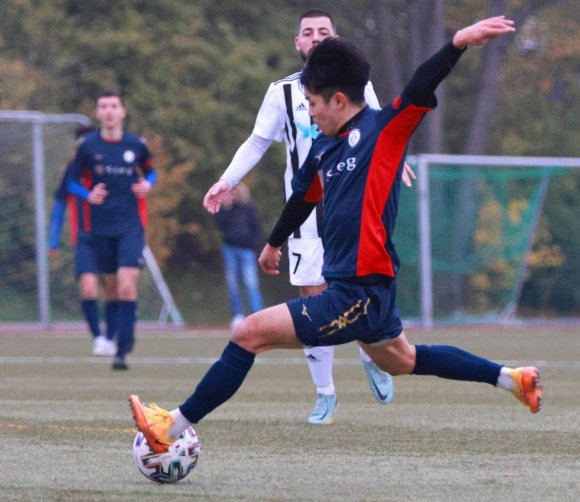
(266, 361)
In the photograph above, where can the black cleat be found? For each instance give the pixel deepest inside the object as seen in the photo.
(119, 364)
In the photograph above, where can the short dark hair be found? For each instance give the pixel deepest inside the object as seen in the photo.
(109, 93)
(315, 13)
(336, 65)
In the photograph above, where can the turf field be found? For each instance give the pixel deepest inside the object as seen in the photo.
(66, 431)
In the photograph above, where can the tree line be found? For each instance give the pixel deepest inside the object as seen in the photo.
(193, 75)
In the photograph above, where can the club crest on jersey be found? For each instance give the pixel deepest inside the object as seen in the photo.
(353, 137)
(129, 156)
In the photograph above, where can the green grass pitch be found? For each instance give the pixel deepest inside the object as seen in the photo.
(66, 430)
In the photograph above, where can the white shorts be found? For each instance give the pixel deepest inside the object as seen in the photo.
(305, 258)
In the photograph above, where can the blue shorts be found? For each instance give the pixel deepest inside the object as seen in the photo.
(85, 261)
(346, 312)
(105, 255)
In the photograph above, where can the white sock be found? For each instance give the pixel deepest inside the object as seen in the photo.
(363, 355)
(320, 361)
(180, 423)
(505, 380)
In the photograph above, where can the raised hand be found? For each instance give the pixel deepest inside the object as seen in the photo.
(483, 31)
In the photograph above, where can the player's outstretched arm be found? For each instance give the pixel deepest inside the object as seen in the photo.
(483, 31)
(213, 198)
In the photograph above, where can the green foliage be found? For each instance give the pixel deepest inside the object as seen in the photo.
(193, 75)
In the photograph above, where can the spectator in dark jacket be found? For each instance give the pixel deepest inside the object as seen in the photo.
(242, 234)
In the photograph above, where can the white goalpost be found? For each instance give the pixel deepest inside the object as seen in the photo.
(36, 146)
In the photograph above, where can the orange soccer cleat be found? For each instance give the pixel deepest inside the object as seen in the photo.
(527, 387)
(154, 422)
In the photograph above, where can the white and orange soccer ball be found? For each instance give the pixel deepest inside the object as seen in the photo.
(171, 466)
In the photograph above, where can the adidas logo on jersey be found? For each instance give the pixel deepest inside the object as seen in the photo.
(301, 107)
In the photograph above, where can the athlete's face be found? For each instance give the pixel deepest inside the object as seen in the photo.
(326, 115)
(110, 112)
(313, 30)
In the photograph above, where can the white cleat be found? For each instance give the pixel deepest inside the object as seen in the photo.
(104, 347)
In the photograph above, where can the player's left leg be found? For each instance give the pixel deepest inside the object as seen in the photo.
(272, 328)
(127, 280)
(127, 262)
(399, 357)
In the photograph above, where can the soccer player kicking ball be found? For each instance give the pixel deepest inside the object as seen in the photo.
(358, 158)
(284, 116)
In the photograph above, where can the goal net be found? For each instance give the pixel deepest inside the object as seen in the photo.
(35, 148)
(471, 230)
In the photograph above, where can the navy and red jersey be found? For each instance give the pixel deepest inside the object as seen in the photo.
(360, 169)
(117, 164)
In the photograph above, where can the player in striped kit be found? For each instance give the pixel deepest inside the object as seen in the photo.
(283, 116)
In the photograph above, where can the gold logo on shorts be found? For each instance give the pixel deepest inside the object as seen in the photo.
(349, 317)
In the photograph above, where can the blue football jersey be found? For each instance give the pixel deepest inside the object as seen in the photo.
(118, 165)
(360, 170)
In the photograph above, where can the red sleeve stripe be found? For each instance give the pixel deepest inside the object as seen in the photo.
(87, 181)
(142, 209)
(148, 165)
(315, 191)
(373, 257)
(73, 215)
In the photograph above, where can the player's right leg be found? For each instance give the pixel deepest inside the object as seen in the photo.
(268, 329)
(89, 293)
(86, 271)
(111, 311)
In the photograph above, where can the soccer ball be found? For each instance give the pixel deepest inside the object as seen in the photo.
(171, 466)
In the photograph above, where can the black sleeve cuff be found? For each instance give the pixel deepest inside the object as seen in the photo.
(429, 75)
(295, 212)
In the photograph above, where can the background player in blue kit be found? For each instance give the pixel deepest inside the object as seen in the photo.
(103, 345)
(359, 159)
(118, 173)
